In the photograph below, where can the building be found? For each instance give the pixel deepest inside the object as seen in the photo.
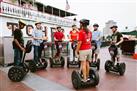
(29, 11)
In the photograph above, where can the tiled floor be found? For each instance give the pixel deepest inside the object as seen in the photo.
(59, 79)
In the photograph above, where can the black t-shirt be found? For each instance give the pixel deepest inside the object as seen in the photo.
(19, 36)
(116, 37)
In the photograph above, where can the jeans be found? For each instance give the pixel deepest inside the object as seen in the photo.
(17, 56)
(58, 49)
(37, 53)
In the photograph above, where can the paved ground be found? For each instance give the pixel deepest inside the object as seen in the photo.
(59, 79)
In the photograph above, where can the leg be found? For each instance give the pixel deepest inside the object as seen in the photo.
(71, 51)
(83, 67)
(36, 54)
(17, 56)
(57, 48)
(97, 52)
(89, 59)
(87, 69)
(40, 51)
(82, 58)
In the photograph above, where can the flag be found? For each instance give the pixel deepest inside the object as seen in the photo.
(67, 5)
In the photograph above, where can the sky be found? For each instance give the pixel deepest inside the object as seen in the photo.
(100, 11)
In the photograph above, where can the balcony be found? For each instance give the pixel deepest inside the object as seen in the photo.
(10, 10)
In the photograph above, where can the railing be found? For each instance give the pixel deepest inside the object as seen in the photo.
(16, 11)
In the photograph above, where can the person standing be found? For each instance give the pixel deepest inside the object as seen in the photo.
(84, 48)
(58, 37)
(38, 37)
(73, 36)
(18, 43)
(117, 39)
(96, 36)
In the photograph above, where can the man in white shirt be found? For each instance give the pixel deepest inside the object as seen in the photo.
(96, 36)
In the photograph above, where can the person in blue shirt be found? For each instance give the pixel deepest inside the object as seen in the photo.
(38, 37)
(96, 36)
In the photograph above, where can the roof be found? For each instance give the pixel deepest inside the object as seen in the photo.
(53, 10)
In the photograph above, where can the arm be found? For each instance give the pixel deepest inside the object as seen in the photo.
(78, 46)
(17, 43)
(63, 37)
(121, 40)
(45, 38)
(55, 37)
(34, 37)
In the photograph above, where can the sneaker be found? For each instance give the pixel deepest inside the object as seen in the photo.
(84, 80)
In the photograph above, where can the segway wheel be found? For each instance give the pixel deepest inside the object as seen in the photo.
(76, 80)
(107, 65)
(98, 64)
(16, 74)
(32, 66)
(62, 61)
(51, 63)
(95, 76)
(45, 63)
(68, 60)
(122, 68)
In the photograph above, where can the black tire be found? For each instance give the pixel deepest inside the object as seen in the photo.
(32, 66)
(75, 78)
(107, 65)
(16, 74)
(62, 61)
(68, 61)
(45, 63)
(95, 76)
(51, 62)
(122, 68)
(98, 64)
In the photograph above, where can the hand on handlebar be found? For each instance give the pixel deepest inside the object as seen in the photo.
(23, 49)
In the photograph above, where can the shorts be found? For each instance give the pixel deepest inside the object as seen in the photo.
(85, 55)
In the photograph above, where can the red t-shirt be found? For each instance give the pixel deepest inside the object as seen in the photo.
(74, 35)
(59, 35)
(86, 40)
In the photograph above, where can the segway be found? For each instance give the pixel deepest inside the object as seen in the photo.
(42, 62)
(17, 73)
(110, 64)
(77, 77)
(96, 63)
(73, 63)
(57, 61)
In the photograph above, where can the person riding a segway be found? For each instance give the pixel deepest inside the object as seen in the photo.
(96, 43)
(18, 43)
(72, 60)
(114, 51)
(38, 37)
(86, 76)
(58, 60)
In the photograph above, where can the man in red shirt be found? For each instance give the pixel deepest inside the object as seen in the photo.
(58, 37)
(73, 36)
(84, 48)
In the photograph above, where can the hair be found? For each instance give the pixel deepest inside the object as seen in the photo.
(84, 27)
